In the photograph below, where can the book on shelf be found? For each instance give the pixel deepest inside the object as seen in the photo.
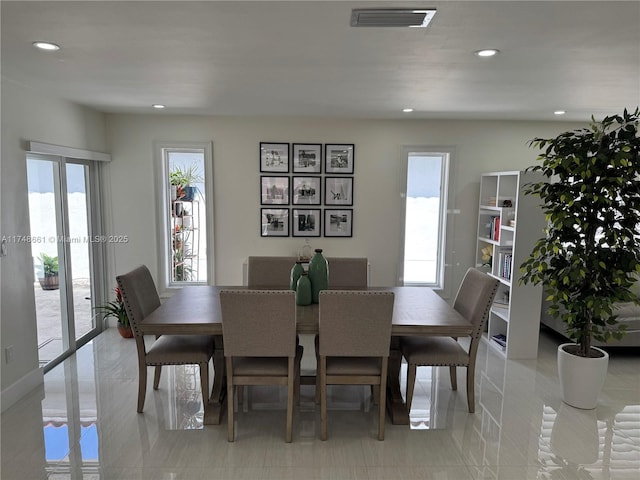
(504, 264)
(494, 228)
(500, 339)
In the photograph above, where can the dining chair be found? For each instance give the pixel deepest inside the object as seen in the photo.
(473, 301)
(140, 298)
(348, 272)
(259, 331)
(353, 344)
(269, 272)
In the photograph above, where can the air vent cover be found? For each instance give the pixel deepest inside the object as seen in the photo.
(391, 17)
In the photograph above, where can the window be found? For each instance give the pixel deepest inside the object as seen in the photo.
(186, 214)
(425, 215)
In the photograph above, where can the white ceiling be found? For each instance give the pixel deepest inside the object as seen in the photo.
(303, 58)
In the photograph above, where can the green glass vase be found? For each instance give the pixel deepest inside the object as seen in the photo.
(318, 274)
(303, 290)
(296, 272)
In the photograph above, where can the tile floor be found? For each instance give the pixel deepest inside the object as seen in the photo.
(82, 425)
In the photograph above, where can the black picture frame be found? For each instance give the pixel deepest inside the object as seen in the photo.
(274, 157)
(338, 191)
(306, 222)
(306, 190)
(274, 190)
(307, 158)
(274, 222)
(339, 158)
(338, 222)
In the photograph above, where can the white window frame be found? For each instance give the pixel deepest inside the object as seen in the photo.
(163, 198)
(447, 155)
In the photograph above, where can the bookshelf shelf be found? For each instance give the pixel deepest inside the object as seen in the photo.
(514, 319)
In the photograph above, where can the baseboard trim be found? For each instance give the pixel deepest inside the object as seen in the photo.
(22, 387)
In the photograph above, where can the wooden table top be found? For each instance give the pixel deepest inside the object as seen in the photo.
(196, 310)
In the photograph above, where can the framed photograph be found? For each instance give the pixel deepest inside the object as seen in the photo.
(338, 223)
(274, 157)
(274, 190)
(307, 158)
(274, 222)
(305, 191)
(338, 191)
(339, 158)
(306, 222)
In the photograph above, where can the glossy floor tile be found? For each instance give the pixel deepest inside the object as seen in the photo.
(83, 425)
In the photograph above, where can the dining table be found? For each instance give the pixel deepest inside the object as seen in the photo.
(195, 310)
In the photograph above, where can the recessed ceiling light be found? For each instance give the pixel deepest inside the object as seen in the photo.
(158, 106)
(559, 112)
(48, 46)
(487, 52)
(407, 110)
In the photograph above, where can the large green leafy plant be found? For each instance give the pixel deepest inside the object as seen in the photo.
(590, 256)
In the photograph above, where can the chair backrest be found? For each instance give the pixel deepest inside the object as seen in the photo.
(139, 295)
(355, 323)
(348, 272)
(474, 298)
(258, 323)
(269, 272)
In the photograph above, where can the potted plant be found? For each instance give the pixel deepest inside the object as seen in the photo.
(48, 272)
(183, 180)
(116, 309)
(590, 256)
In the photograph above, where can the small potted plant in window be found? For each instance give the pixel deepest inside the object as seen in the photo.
(117, 310)
(48, 272)
(183, 179)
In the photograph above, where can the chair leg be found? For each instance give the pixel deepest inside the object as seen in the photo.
(230, 431)
(382, 388)
(156, 376)
(142, 386)
(240, 392)
(323, 397)
(317, 372)
(471, 402)
(375, 393)
(290, 394)
(453, 373)
(204, 383)
(411, 380)
(296, 386)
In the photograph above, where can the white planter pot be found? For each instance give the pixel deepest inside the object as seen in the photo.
(581, 378)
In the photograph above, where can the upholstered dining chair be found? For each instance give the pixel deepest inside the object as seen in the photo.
(140, 299)
(348, 272)
(269, 272)
(259, 331)
(353, 344)
(473, 301)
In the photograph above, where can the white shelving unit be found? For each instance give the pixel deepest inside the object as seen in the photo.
(509, 223)
(185, 240)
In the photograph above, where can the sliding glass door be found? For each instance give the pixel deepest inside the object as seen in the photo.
(60, 201)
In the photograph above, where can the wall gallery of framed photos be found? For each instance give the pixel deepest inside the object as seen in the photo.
(305, 189)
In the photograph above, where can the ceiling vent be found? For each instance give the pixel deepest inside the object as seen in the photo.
(391, 17)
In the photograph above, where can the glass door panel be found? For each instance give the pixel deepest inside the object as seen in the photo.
(44, 215)
(79, 248)
(61, 233)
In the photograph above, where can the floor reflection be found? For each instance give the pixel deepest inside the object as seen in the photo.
(83, 425)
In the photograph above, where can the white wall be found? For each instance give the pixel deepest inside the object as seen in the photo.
(29, 115)
(479, 147)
